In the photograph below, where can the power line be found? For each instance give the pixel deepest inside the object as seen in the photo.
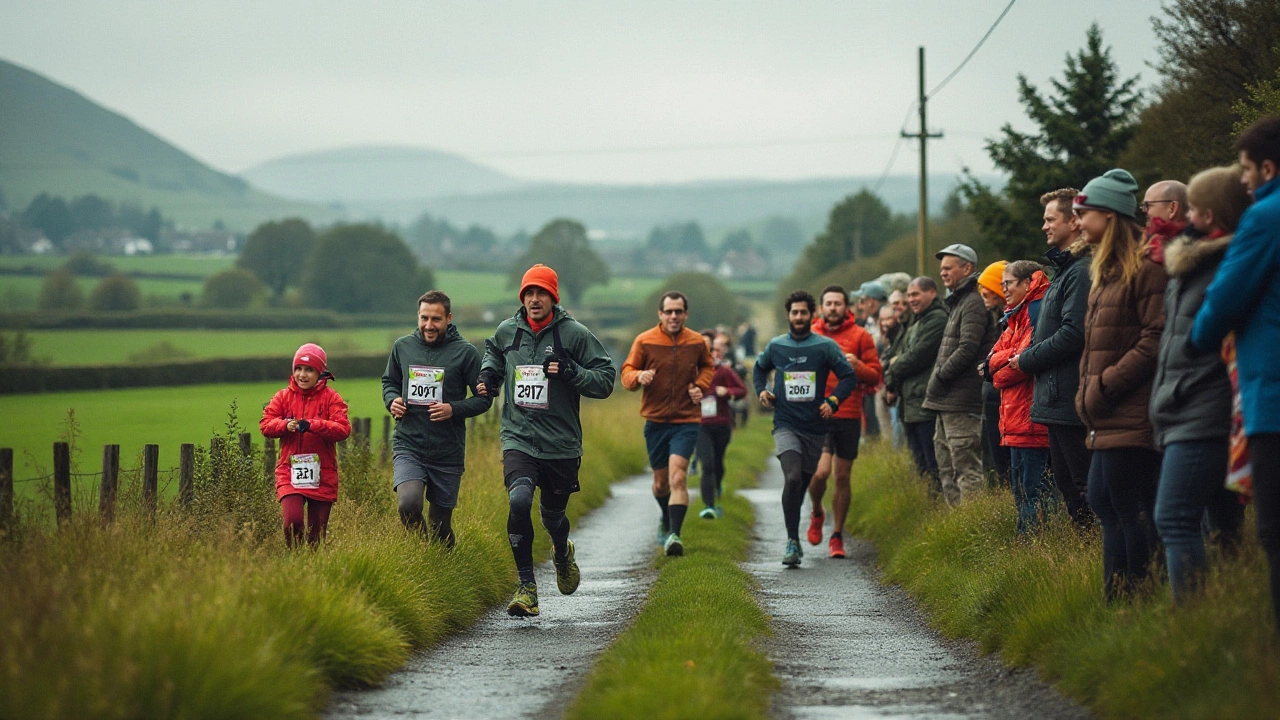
(972, 52)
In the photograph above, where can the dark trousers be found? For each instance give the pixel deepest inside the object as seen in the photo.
(1122, 491)
(920, 442)
(713, 440)
(1069, 460)
(1264, 454)
(870, 421)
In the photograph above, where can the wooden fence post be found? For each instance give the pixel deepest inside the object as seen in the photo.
(386, 438)
(6, 489)
(368, 433)
(246, 444)
(62, 481)
(110, 482)
(150, 479)
(269, 457)
(186, 472)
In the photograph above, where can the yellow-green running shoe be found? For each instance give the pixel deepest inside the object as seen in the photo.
(567, 575)
(525, 602)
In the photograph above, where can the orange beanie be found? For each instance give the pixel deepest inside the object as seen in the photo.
(992, 276)
(541, 276)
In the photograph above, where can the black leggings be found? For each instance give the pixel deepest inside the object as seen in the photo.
(1264, 453)
(439, 523)
(796, 484)
(712, 442)
(520, 523)
(1122, 492)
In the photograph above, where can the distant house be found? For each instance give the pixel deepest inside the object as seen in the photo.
(742, 265)
(42, 246)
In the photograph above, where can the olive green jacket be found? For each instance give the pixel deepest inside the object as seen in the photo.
(908, 373)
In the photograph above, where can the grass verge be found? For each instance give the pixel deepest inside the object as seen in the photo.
(1040, 603)
(693, 650)
(205, 615)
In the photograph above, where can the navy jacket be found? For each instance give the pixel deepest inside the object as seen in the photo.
(814, 353)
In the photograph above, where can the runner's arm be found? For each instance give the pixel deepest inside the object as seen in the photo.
(867, 368)
(596, 373)
(848, 380)
(734, 384)
(632, 366)
(477, 404)
(706, 369)
(760, 373)
(335, 426)
(392, 378)
(274, 424)
(495, 362)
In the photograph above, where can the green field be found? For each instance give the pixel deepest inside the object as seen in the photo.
(19, 292)
(200, 265)
(106, 347)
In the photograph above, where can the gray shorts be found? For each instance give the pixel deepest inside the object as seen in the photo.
(441, 483)
(809, 447)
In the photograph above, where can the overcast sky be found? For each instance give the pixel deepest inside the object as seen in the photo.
(650, 91)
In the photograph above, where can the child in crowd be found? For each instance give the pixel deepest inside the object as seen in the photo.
(309, 417)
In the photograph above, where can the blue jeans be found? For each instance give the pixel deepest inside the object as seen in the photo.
(1032, 488)
(1191, 483)
(1122, 492)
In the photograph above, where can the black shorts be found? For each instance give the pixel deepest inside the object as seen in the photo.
(843, 435)
(558, 477)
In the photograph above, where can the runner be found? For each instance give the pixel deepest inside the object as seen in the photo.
(425, 388)
(546, 361)
(674, 366)
(803, 362)
(717, 423)
(844, 431)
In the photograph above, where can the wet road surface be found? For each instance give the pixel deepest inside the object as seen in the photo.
(508, 667)
(845, 646)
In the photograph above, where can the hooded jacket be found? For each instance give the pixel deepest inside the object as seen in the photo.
(1054, 354)
(677, 362)
(1017, 387)
(1191, 397)
(855, 341)
(444, 443)
(553, 432)
(326, 414)
(1121, 341)
(971, 332)
(787, 355)
(912, 365)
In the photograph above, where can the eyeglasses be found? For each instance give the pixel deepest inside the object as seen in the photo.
(1146, 204)
(1006, 284)
(673, 311)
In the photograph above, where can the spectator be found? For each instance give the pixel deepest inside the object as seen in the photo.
(907, 373)
(1027, 441)
(898, 299)
(1054, 355)
(1244, 297)
(890, 340)
(955, 388)
(1191, 402)
(995, 457)
(1165, 205)
(871, 297)
(1121, 338)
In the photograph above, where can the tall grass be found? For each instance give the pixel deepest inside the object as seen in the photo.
(1040, 602)
(205, 614)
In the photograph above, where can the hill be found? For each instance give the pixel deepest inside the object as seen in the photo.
(55, 140)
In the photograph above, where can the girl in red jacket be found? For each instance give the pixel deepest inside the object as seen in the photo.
(1024, 284)
(308, 417)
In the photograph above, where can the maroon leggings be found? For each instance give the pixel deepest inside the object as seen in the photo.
(316, 520)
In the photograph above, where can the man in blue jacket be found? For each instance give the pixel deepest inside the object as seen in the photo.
(1245, 297)
(802, 361)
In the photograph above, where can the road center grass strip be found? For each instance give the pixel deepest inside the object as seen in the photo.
(1039, 602)
(201, 616)
(694, 650)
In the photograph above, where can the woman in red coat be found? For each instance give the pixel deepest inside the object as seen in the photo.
(308, 417)
(1024, 284)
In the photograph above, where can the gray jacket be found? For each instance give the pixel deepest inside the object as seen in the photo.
(971, 332)
(1054, 354)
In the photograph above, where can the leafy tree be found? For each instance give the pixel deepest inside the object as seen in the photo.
(232, 289)
(563, 245)
(51, 216)
(1082, 130)
(277, 253)
(710, 302)
(115, 293)
(859, 226)
(90, 212)
(783, 236)
(59, 291)
(15, 351)
(87, 264)
(1260, 100)
(740, 241)
(681, 239)
(363, 268)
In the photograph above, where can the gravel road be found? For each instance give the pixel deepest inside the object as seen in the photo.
(508, 667)
(846, 646)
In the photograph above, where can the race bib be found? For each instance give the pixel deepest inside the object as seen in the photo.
(710, 408)
(799, 385)
(304, 470)
(531, 387)
(426, 385)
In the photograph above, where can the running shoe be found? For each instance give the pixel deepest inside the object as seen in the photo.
(567, 575)
(719, 511)
(792, 557)
(708, 513)
(525, 602)
(664, 530)
(673, 547)
(815, 528)
(836, 546)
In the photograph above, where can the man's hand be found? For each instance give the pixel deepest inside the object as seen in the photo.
(850, 357)
(825, 410)
(553, 368)
(1013, 362)
(721, 391)
(440, 411)
(645, 377)
(292, 426)
(398, 408)
(890, 397)
(487, 383)
(766, 398)
(695, 393)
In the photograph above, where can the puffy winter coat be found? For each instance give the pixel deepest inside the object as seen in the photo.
(1054, 354)
(855, 341)
(326, 414)
(1191, 397)
(1017, 387)
(908, 373)
(1121, 341)
(677, 363)
(971, 332)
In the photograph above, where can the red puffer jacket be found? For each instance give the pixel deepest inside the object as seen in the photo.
(860, 349)
(1016, 387)
(326, 411)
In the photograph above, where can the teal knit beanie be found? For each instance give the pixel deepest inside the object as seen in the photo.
(1115, 190)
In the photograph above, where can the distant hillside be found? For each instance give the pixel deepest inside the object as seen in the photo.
(55, 140)
(376, 173)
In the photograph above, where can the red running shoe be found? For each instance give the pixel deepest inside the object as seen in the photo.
(815, 528)
(836, 546)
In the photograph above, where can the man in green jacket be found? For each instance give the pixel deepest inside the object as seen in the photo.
(425, 388)
(907, 375)
(545, 361)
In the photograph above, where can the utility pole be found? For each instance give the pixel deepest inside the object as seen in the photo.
(924, 136)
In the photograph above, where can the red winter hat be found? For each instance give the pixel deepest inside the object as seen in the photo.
(311, 355)
(541, 276)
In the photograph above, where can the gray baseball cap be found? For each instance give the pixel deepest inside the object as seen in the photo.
(873, 289)
(964, 252)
